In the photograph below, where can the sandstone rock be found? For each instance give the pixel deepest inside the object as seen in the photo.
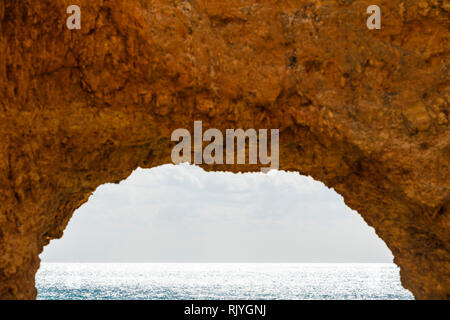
(364, 111)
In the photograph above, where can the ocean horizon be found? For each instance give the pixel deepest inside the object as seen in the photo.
(220, 281)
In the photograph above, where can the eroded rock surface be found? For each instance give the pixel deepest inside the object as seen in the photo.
(364, 111)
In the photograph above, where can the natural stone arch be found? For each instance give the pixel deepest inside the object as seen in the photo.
(364, 111)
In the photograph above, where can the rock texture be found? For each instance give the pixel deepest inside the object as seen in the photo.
(364, 111)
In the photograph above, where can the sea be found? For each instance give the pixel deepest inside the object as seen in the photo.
(220, 281)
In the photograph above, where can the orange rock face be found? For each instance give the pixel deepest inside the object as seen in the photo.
(364, 111)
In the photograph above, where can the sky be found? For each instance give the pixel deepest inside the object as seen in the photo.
(184, 214)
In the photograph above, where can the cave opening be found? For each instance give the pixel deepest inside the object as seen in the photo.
(175, 230)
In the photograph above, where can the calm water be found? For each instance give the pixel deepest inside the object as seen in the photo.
(219, 281)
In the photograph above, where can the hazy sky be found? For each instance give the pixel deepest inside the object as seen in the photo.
(183, 214)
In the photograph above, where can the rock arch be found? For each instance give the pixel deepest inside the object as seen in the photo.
(364, 111)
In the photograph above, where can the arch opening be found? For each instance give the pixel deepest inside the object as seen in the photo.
(142, 238)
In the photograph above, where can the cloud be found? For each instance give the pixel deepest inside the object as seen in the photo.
(181, 213)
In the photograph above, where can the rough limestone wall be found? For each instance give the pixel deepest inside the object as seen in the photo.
(364, 111)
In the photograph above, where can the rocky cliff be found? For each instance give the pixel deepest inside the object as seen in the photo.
(364, 111)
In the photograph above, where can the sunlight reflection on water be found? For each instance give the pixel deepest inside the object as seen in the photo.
(292, 281)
